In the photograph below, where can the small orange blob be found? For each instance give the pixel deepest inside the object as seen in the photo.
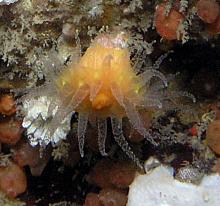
(122, 174)
(107, 197)
(208, 10)
(7, 105)
(167, 26)
(112, 197)
(109, 174)
(92, 199)
(213, 136)
(215, 106)
(131, 134)
(102, 101)
(214, 28)
(100, 174)
(10, 131)
(24, 154)
(12, 180)
(216, 167)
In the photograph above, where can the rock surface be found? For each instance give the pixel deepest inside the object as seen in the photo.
(158, 187)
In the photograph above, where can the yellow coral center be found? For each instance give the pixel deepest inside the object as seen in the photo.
(102, 101)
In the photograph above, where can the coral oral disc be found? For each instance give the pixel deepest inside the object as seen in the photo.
(102, 101)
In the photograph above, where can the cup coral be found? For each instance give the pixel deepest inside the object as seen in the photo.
(102, 85)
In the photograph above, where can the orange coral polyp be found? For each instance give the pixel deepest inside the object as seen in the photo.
(98, 68)
(104, 85)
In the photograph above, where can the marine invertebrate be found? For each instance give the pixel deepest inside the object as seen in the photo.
(103, 84)
(92, 199)
(106, 197)
(7, 105)
(214, 28)
(189, 174)
(10, 131)
(12, 179)
(167, 24)
(113, 197)
(7, 2)
(38, 114)
(208, 10)
(110, 174)
(213, 136)
(23, 154)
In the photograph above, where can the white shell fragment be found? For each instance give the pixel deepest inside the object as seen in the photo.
(159, 188)
(37, 122)
(7, 2)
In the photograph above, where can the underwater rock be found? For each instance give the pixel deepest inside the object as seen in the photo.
(158, 187)
(4, 200)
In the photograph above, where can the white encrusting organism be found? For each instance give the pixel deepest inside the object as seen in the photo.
(159, 188)
(38, 115)
(7, 2)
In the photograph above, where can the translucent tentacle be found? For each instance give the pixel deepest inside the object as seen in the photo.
(160, 60)
(64, 110)
(152, 102)
(117, 93)
(146, 76)
(120, 139)
(131, 112)
(136, 121)
(178, 94)
(81, 131)
(134, 118)
(102, 134)
(35, 92)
